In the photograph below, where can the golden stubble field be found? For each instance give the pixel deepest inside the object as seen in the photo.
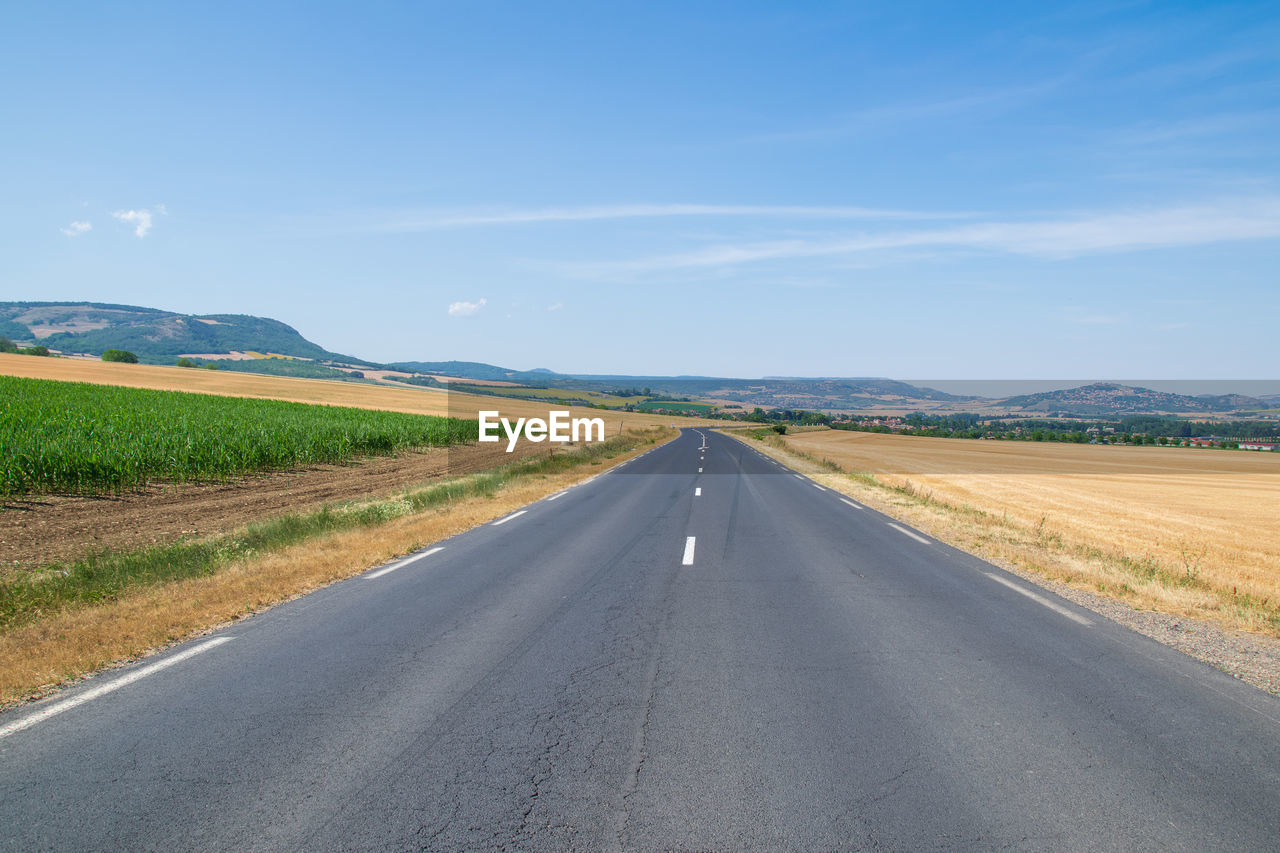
(1188, 531)
(412, 400)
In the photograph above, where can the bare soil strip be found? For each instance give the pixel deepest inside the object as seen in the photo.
(41, 530)
(1105, 543)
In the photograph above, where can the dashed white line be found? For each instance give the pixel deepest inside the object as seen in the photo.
(509, 517)
(1039, 599)
(689, 544)
(90, 695)
(558, 495)
(905, 532)
(850, 503)
(797, 476)
(699, 470)
(697, 493)
(402, 563)
(816, 486)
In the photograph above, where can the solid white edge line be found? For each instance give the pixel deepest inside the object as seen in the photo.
(697, 493)
(90, 695)
(558, 496)
(905, 532)
(402, 563)
(689, 544)
(1039, 599)
(513, 515)
(850, 503)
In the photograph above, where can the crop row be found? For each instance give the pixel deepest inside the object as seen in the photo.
(58, 437)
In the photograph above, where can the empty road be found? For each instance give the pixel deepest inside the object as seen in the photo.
(697, 650)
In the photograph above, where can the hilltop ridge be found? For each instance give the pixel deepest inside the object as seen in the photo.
(1112, 398)
(154, 335)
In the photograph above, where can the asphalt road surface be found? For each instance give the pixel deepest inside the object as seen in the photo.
(697, 650)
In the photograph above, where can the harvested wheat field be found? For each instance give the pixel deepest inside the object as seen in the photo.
(424, 401)
(1188, 531)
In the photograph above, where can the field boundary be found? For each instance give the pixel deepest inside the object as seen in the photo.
(1251, 657)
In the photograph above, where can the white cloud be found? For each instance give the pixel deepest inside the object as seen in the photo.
(1062, 238)
(141, 219)
(555, 307)
(76, 228)
(465, 309)
(432, 220)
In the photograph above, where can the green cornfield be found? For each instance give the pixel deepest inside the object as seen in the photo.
(73, 437)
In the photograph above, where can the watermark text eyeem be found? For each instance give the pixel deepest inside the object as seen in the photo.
(558, 427)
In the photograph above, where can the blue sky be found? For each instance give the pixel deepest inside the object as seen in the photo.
(743, 189)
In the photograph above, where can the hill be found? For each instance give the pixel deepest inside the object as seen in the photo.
(1108, 398)
(159, 337)
(156, 336)
(477, 370)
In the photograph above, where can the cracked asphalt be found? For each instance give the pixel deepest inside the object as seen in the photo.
(815, 680)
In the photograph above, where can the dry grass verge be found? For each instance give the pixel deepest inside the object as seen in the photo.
(46, 649)
(1178, 602)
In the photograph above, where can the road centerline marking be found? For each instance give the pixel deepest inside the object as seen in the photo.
(697, 493)
(1039, 599)
(690, 543)
(400, 564)
(513, 515)
(905, 532)
(110, 686)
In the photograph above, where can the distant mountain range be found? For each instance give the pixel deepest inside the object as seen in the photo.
(241, 342)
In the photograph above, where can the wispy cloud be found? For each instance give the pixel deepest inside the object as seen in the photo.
(890, 116)
(555, 307)
(465, 309)
(1061, 238)
(1096, 319)
(1205, 129)
(141, 219)
(76, 228)
(433, 220)
(1198, 68)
